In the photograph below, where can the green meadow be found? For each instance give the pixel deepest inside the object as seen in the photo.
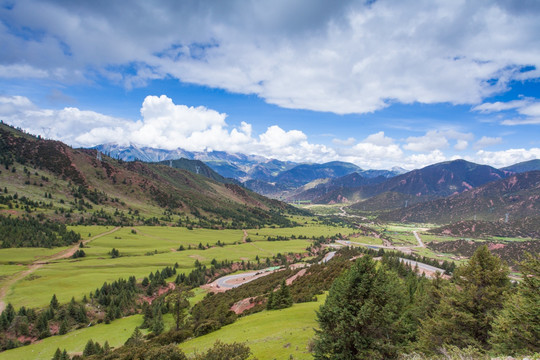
(275, 334)
(15, 256)
(144, 250)
(116, 333)
(311, 231)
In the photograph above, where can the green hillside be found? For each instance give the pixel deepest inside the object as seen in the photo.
(50, 179)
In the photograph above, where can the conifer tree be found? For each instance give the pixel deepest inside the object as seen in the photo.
(136, 338)
(57, 354)
(89, 349)
(54, 302)
(63, 327)
(466, 311)
(516, 330)
(361, 315)
(158, 326)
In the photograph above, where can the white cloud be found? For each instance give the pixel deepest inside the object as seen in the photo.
(504, 158)
(437, 140)
(531, 109)
(379, 139)
(487, 141)
(348, 142)
(500, 106)
(164, 125)
(461, 145)
(345, 57)
(528, 111)
(21, 71)
(433, 140)
(417, 161)
(521, 121)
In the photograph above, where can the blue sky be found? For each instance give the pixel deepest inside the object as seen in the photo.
(380, 84)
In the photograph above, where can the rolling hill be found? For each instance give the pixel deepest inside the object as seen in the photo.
(81, 185)
(431, 182)
(524, 166)
(518, 196)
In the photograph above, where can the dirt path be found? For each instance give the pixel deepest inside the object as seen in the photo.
(244, 238)
(420, 242)
(66, 253)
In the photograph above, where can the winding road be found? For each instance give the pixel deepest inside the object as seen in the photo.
(64, 254)
(228, 282)
(422, 266)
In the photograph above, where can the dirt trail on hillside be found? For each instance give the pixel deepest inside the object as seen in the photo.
(420, 242)
(244, 238)
(66, 253)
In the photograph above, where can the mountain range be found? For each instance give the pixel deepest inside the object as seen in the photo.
(434, 192)
(84, 185)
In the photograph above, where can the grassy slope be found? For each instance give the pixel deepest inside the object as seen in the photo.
(116, 333)
(52, 167)
(275, 334)
(68, 277)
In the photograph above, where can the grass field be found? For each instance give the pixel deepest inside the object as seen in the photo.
(116, 333)
(311, 231)
(77, 277)
(276, 334)
(14, 256)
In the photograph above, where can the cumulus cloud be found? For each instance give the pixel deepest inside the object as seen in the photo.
(437, 140)
(163, 125)
(486, 141)
(348, 142)
(311, 54)
(421, 160)
(508, 157)
(461, 145)
(166, 125)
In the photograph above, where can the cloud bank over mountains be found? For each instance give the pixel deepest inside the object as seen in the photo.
(166, 125)
(346, 57)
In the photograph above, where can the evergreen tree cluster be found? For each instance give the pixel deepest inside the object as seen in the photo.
(280, 299)
(118, 298)
(30, 232)
(384, 311)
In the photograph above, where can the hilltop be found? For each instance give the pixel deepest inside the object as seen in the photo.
(82, 185)
(518, 196)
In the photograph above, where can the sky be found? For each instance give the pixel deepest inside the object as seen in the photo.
(380, 84)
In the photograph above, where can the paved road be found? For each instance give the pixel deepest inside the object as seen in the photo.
(328, 257)
(410, 262)
(423, 266)
(223, 282)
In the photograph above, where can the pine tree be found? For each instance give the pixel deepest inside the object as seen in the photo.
(65, 355)
(57, 355)
(282, 298)
(466, 311)
(516, 330)
(361, 315)
(106, 348)
(63, 327)
(157, 325)
(10, 313)
(136, 338)
(54, 302)
(270, 302)
(89, 349)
